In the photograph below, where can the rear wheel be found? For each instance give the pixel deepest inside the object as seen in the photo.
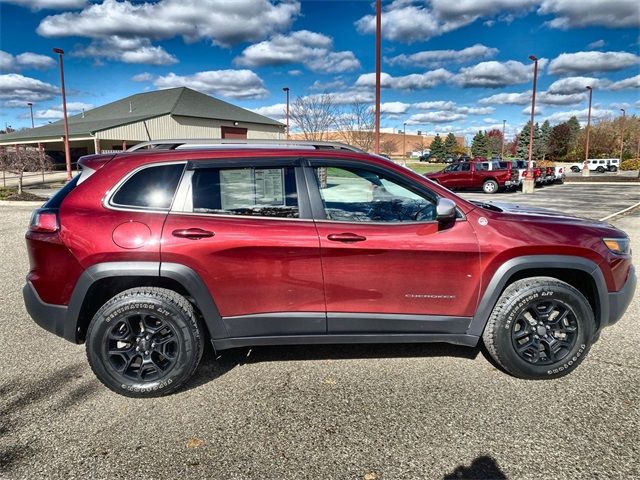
(613, 168)
(540, 328)
(490, 186)
(575, 169)
(144, 342)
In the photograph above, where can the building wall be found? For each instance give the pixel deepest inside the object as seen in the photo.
(175, 126)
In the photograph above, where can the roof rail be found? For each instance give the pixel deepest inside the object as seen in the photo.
(231, 143)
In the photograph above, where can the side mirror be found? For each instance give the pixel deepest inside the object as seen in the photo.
(445, 210)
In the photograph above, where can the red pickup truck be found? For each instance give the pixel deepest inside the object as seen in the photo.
(475, 175)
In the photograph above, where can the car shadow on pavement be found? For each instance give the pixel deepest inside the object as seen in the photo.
(214, 366)
(482, 468)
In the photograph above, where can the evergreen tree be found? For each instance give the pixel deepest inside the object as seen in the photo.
(437, 147)
(545, 139)
(522, 150)
(494, 143)
(537, 142)
(479, 145)
(450, 144)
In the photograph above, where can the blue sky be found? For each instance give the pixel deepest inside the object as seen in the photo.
(448, 65)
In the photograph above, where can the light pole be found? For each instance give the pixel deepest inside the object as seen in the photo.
(67, 153)
(31, 111)
(378, 42)
(622, 135)
(529, 182)
(286, 91)
(404, 141)
(504, 123)
(585, 166)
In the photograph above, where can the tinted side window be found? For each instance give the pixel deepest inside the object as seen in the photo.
(263, 192)
(151, 187)
(465, 167)
(357, 195)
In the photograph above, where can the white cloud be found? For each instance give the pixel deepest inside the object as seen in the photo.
(277, 111)
(416, 81)
(311, 49)
(227, 83)
(223, 22)
(55, 113)
(583, 13)
(26, 60)
(435, 105)
(346, 97)
(507, 99)
(295, 73)
(394, 107)
(332, 85)
(626, 84)
(434, 117)
(494, 74)
(434, 58)
(597, 44)
(571, 85)
(18, 88)
(589, 62)
(142, 77)
(547, 98)
(49, 4)
(412, 20)
(127, 50)
(596, 114)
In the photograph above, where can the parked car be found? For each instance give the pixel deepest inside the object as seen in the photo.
(613, 164)
(474, 176)
(599, 165)
(150, 253)
(559, 175)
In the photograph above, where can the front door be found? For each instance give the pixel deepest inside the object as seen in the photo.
(388, 265)
(250, 237)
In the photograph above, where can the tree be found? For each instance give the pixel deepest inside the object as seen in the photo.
(522, 150)
(545, 138)
(420, 145)
(388, 146)
(23, 160)
(479, 145)
(450, 144)
(437, 147)
(315, 115)
(494, 142)
(356, 125)
(559, 141)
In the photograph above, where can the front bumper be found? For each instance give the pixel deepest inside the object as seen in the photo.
(619, 301)
(52, 318)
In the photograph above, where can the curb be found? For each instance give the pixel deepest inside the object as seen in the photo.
(21, 203)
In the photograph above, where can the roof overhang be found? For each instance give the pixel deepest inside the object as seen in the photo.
(33, 141)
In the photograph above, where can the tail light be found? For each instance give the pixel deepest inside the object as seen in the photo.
(44, 221)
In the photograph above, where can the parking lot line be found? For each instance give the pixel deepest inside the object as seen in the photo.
(620, 212)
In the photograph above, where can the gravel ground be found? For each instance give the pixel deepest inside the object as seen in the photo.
(362, 412)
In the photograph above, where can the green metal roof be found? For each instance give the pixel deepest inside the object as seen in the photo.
(142, 106)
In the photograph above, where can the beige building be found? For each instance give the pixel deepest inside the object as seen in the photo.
(163, 114)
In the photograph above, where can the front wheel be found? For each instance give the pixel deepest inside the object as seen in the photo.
(490, 186)
(144, 342)
(540, 328)
(600, 169)
(614, 168)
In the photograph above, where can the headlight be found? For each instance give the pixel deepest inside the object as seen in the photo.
(621, 246)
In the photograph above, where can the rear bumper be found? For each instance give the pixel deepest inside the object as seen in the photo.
(52, 318)
(619, 301)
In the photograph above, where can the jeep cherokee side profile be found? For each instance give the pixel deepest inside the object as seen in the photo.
(149, 253)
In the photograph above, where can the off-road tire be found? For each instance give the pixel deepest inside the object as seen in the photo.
(150, 307)
(520, 297)
(490, 186)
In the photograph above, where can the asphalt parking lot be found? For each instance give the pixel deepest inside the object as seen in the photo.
(339, 412)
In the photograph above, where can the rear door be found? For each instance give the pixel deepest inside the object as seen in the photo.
(246, 230)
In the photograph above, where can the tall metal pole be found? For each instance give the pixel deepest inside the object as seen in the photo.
(529, 182)
(504, 123)
(31, 110)
(585, 166)
(67, 153)
(286, 90)
(622, 134)
(378, 43)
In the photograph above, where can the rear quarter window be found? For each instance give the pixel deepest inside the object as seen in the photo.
(150, 188)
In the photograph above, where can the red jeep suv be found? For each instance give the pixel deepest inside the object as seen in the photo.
(149, 253)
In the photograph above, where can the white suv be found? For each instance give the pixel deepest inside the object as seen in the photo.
(599, 165)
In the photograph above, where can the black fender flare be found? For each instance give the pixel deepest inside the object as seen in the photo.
(182, 274)
(499, 282)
